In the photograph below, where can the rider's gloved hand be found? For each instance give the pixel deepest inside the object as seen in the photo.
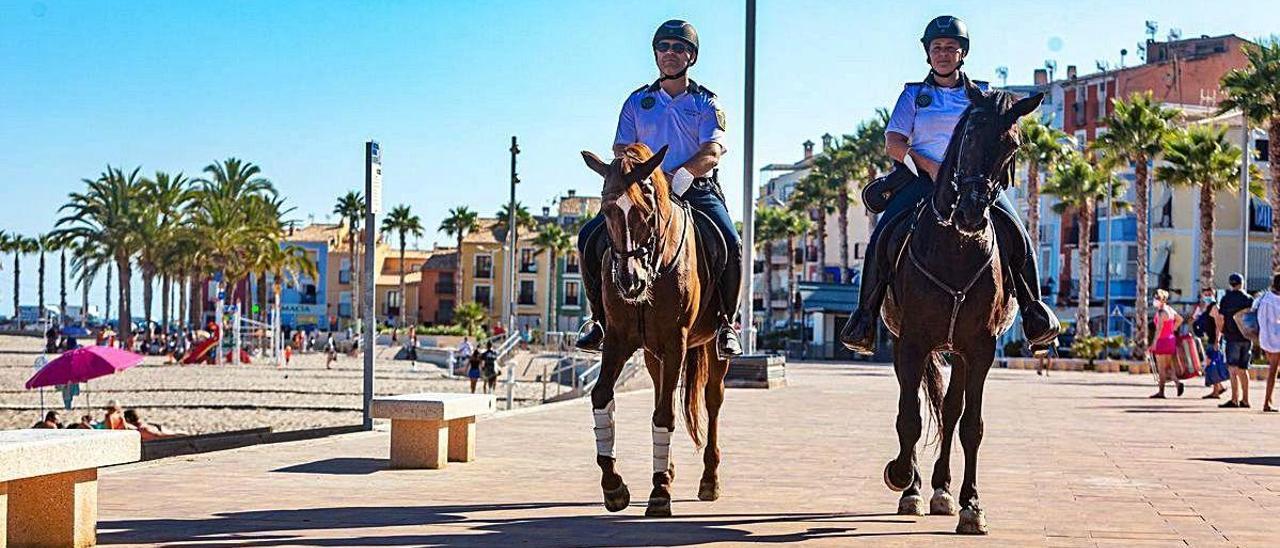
(681, 181)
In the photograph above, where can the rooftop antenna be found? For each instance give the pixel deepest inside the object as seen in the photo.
(1051, 66)
(1142, 52)
(1003, 74)
(1175, 34)
(1123, 52)
(1102, 65)
(1152, 27)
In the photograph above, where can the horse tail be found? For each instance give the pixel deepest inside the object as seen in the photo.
(934, 390)
(697, 365)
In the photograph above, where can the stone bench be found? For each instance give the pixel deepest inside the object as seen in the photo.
(430, 429)
(49, 483)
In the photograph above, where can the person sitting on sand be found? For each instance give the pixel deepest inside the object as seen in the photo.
(146, 430)
(50, 421)
(114, 420)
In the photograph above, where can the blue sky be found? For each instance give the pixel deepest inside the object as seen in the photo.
(296, 87)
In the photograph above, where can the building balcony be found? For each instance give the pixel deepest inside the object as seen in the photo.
(526, 299)
(529, 268)
(446, 289)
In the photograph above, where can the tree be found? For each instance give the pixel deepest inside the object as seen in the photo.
(286, 263)
(794, 225)
(770, 226)
(164, 198)
(104, 217)
(524, 220)
(812, 193)
(401, 221)
(460, 222)
(1042, 148)
(1136, 130)
(554, 241)
(44, 243)
(1255, 91)
(835, 166)
(470, 317)
(1079, 187)
(1201, 156)
(350, 208)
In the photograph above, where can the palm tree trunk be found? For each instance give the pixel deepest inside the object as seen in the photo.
(62, 287)
(1141, 208)
(40, 288)
(355, 269)
(791, 281)
(404, 298)
(1086, 272)
(1033, 204)
(553, 296)
(17, 276)
(1273, 154)
(1064, 244)
(107, 313)
(842, 210)
(124, 272)
(84, 301)
(457, 288)
(1207, 199)
(768, 286)
(822, 243)
(165, 287)
(148, 279)
(182, 298)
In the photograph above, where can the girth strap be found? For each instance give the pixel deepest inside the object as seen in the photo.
(957, 296)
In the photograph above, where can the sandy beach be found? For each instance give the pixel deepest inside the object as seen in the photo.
(203, 398)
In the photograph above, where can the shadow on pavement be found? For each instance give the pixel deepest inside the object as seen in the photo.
(275, 527)
(339, 466)
(1256, 461)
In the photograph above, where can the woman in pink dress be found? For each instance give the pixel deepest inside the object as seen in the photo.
(1167, 321)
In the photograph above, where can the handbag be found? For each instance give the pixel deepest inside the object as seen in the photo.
(1247, 321)
(1216, 371)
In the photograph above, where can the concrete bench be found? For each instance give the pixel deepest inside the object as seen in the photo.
(430, 429)
(49, 483)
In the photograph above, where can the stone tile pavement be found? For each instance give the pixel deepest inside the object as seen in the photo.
(1075, 459)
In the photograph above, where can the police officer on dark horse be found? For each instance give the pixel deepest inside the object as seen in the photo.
(916, 136)
(677, 113)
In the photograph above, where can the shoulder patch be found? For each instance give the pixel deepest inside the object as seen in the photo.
(720, 119)
(703, 90)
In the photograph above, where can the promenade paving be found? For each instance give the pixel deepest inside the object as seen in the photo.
(1074, 459)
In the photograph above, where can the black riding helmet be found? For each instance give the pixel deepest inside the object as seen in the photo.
(946, 26)
(678, 29)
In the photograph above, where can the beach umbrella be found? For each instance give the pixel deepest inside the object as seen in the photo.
(82, 364)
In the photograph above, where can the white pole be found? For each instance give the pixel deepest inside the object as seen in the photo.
(1244, 202)
(748, 187)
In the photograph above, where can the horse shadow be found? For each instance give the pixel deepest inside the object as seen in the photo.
(282, 527)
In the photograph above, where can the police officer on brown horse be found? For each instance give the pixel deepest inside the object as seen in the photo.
(677, 113)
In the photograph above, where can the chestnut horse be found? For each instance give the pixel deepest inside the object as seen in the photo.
(950, 296)
(660, 298)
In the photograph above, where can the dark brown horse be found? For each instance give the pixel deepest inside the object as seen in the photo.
(657, 297)
(951, 296)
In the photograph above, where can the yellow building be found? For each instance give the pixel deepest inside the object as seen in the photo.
(483, 264)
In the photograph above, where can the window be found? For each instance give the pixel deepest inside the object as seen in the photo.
(482, 295)
(526, 292)
(393, 299)
(344, 273)
(484, 266)
(344, 304)
(571, 263)
(1102, 100)
(571, 294)
(1081, 141)
(528, 263)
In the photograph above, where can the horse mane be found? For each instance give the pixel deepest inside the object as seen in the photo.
(635, 154)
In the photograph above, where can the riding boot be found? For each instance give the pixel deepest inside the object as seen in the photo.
(593, 340)
(859, 332)
(1039, 324)
(727, 343)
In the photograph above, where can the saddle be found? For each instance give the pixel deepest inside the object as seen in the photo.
(877, 195)
(891, 249)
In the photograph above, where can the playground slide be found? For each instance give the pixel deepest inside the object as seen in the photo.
(201, 352)
(244, 357)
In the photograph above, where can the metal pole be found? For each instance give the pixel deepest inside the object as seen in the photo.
(373, 195)
(1106, 292)
(513, 238)
(748, 186)
(1244, 202)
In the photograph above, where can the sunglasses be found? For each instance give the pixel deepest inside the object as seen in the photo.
(677, 47)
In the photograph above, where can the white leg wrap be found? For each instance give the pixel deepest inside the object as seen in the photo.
(661, 449)
(604, 430)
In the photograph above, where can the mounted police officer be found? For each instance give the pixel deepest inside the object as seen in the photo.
(684, 116)
(916, 137)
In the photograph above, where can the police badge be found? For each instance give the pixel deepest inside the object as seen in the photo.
(647, 103)
(720, 120)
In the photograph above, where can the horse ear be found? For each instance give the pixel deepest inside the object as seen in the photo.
(595, 163)
(1025, 106)
(646, 168)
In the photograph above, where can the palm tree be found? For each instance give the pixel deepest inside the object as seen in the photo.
(524, 220)
(1042, 148)
(555, 241)
(794, 224)
(1079, 186)
(44, 243)
(286, 264)
(86, 262)
(1201, 156)
(770, 226)
(812, 193)
(836, 165)
(54, 243)
(164, 199)
(470, 317)
(1255, 90)
(460, 222)
(350, 207)
(403, 222)
(1136, 131)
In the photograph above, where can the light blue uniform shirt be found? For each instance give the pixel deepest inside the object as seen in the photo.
(682, 123)
(928, 128)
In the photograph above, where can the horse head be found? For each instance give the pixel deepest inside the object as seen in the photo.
(979, 160)
(635, 198)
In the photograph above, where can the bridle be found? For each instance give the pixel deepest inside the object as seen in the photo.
(958, 181)
(648, 251)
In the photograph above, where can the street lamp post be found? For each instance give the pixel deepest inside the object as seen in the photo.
(514, 240)
(748, 186)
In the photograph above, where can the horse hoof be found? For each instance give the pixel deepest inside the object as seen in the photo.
(942, 503)
(617, 499)
(709, 490)
(972, 522)
(658, 508)
(912, 505)
(889, 482)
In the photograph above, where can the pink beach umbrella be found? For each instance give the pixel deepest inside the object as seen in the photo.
(82, 364)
